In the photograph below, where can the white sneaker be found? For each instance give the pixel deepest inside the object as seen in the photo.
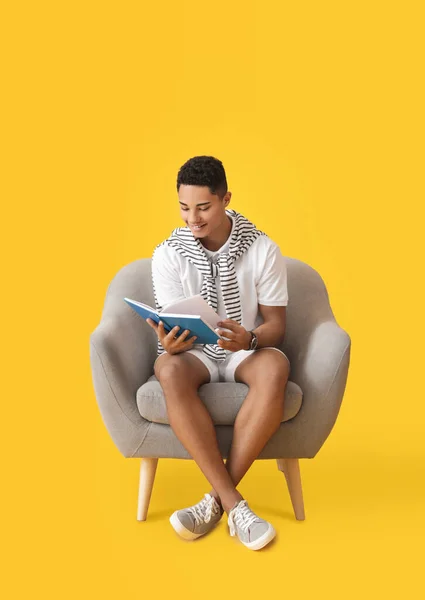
(252, 531)
(190, 523)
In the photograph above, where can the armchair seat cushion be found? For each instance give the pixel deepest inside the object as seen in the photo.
(223, 401)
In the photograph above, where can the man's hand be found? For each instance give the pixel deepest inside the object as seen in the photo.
(170, 343)
(239, 337)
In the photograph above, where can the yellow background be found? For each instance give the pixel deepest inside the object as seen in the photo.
(316, 110)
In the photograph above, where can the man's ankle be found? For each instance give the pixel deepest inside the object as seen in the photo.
(217, 498)
(228, 508)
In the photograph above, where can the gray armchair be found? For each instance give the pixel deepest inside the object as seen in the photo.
(131, 401)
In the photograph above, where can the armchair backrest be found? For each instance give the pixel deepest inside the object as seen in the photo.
(308, 299)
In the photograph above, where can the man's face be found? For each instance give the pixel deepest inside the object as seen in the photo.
(199, 207)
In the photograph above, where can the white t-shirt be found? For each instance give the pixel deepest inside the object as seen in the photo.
(260, 271)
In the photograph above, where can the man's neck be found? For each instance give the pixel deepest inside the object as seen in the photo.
(220, 238)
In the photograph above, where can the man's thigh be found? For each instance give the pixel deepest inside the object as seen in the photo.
(264, 366)
(181, 368)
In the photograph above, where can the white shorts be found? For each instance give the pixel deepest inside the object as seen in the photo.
(225, 370)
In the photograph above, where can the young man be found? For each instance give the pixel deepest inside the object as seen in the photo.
(241, 273)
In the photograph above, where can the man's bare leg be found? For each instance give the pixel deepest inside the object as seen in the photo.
(180, 376)
(260, 415)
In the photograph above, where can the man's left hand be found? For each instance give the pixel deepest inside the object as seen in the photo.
(239, 337)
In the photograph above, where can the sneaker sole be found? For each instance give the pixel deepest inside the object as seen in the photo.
(261, 541)
(181, 529)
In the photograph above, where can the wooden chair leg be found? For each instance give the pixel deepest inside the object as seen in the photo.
(147, 476)
(291, 469)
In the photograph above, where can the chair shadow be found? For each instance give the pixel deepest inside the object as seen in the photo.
(158, 515)
(221, 525)
(281, 514)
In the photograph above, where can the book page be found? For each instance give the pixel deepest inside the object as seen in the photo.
(195, 305)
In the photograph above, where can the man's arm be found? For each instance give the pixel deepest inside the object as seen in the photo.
(272, 293)
(167, 285)
(272, 331)
(269, 333)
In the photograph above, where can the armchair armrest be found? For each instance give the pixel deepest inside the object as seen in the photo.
(121, 360)
(320, 357)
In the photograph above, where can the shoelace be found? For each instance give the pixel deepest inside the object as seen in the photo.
(204, 510)
(241, 516)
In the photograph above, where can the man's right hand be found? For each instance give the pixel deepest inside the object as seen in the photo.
(170, 343)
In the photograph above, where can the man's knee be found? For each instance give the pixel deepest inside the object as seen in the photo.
(170, 367)
(181, 370)
(265, 368)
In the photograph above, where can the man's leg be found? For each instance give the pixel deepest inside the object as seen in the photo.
(266, 373)
(180, 376)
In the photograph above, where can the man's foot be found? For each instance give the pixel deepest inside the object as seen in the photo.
(252, 531)
(190, 523)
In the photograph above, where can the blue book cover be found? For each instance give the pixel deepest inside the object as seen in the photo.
(194, 323)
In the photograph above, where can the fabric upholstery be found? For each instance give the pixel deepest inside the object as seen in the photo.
(222, 399)
(123, 351)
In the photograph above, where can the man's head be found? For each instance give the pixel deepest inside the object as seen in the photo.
(203, 195)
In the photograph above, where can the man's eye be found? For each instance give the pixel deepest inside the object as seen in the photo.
(201, 209)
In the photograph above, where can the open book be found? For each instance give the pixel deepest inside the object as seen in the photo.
(191, 313)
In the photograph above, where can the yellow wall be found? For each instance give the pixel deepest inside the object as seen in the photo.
(316, 110)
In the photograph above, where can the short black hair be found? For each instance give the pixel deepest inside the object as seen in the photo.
(204, 171)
